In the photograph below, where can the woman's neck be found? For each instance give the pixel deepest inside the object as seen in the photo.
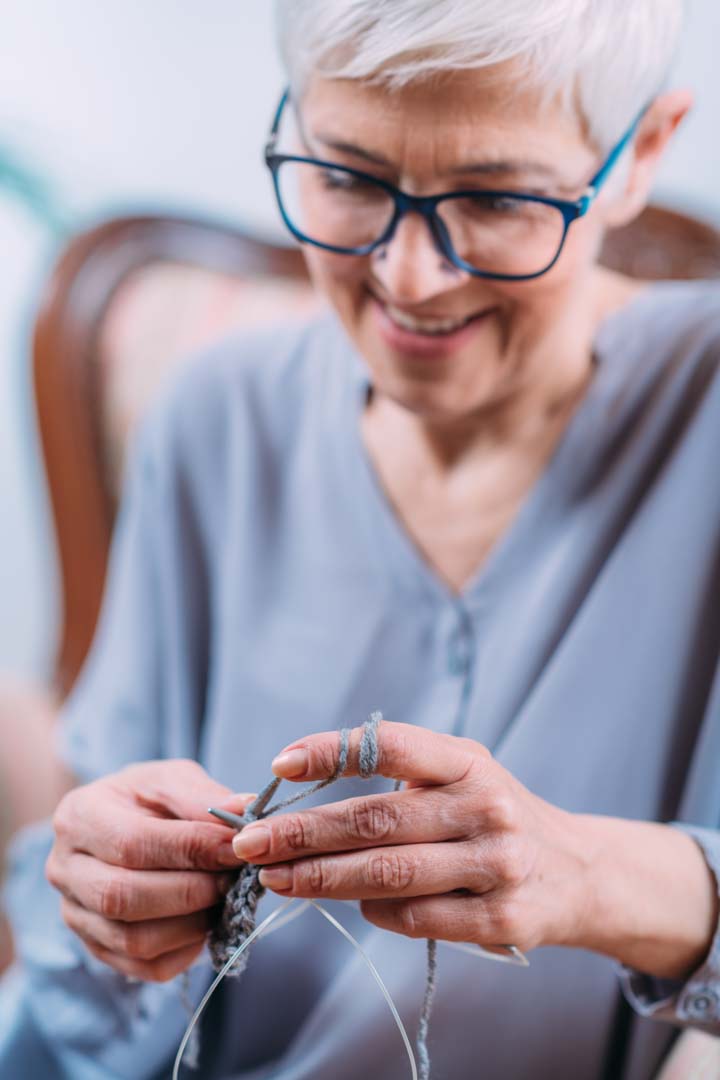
(456, 487)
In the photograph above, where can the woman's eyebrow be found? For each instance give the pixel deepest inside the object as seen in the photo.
(509, 166)
(479, 168)
(350, 148)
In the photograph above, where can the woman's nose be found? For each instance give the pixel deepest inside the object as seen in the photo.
(411, 267)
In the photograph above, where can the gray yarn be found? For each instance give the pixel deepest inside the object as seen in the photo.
(238, 918)
(369, 746)
(239, 913)
(430, 984)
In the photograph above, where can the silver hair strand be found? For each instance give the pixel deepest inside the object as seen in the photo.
(607, 57)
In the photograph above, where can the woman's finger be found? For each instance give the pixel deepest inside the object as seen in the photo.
(184, 791)
(405, 752)
(134, 895)
(411, 870)
(410, 816)
(162, 969)
(482, 920)
(139, 840)
(145, 940)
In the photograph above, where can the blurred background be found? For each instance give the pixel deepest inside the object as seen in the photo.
(164, 106)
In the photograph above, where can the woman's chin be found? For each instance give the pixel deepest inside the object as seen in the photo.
(429, 380)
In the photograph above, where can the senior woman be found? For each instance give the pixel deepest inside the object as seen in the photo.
(481, 496)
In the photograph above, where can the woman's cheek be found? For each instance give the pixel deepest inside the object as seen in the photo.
(340, 278)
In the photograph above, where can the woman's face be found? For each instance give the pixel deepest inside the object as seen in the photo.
(468, 131)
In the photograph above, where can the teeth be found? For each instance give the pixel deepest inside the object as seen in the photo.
(424, 326)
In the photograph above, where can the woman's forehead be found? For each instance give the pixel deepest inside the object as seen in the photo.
(469, 122)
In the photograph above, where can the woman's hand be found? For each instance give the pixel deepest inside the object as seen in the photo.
(140, 863)
(466, 853)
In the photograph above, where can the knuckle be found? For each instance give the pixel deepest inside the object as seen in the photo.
(52, 869)
(196, 891)
(112, 898)
(408, 922)
(390, 872)
(476, 749)
(296, 832)
(187, 894)
(194, 851)
(510, 863)
(59, 819)
(502, 812)
(506, 922)
(324, 758)
(372, 819)
(126, 849)
(63, 816)
(317, 875)
(134, 942)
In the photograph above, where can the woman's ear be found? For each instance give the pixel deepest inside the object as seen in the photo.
(657, 127)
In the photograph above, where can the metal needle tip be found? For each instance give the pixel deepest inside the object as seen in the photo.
(257, 807)
(229, 819)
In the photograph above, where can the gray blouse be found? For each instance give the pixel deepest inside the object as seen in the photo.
(261, 588)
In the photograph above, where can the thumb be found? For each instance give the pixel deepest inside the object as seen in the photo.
(197, 803)
(237, 804)
(183, 790)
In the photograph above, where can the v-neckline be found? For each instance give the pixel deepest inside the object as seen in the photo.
(410, 568)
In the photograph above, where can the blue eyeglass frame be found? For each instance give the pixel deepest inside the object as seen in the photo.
(426, 205)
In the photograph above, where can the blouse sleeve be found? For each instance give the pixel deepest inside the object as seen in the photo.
(141, 692)
(694, 1002)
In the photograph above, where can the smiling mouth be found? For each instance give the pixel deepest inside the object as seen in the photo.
(429, 327)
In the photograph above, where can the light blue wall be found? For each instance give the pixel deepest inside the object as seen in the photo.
(167, 102)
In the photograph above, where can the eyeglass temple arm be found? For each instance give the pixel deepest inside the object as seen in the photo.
(614, 156)
(272, 137)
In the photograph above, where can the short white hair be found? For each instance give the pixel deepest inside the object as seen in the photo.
(609, 58)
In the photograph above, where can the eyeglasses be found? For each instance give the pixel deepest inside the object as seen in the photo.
(506, 235)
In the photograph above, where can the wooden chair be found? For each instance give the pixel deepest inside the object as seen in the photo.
(127, 300)
(664, 245)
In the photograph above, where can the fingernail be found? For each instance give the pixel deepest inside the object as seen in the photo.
(253, 840)
(290, 764)
(276, 877)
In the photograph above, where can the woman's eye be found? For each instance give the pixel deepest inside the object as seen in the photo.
(502, 204)
(347, 184)
(336, 181)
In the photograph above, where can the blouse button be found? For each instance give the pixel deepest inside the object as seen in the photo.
(459, 652)
(702, 1004)
(458, 662)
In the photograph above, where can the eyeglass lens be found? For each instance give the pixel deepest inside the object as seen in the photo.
(498, 235)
